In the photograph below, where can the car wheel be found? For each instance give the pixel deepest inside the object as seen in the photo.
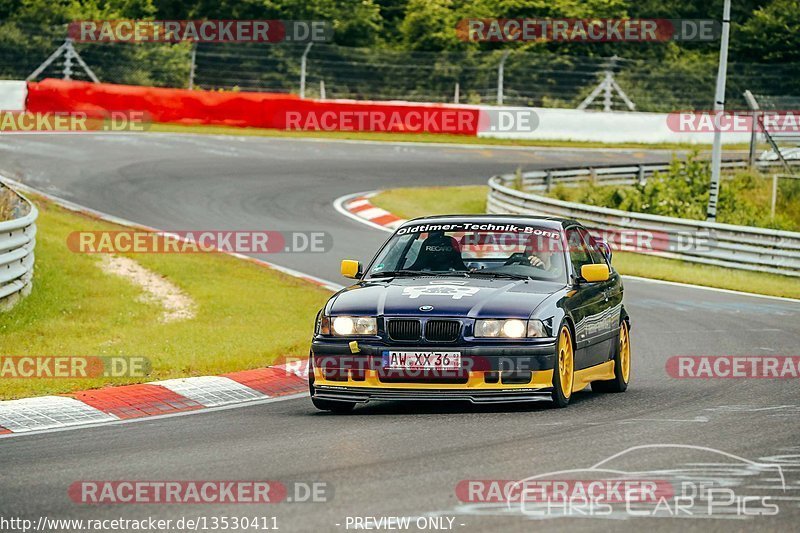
(622, 364)
(564, 368)
(326, 405)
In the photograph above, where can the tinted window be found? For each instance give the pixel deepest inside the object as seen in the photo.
(595, 254)
(578, 251)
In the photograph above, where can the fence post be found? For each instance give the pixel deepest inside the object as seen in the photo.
(500, 73)
(192, 65)
(303, 70)
(68, 60)
(322, 89)
(752, 103)
(457, 94)
(774, 194)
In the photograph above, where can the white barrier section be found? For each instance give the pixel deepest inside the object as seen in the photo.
(12, 95)
(593, 126)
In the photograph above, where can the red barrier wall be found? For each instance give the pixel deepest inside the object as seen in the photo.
(261, 110)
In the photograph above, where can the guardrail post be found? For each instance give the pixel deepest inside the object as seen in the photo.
(642, 179)
(548, 181)
(774, 194)
(593, 175)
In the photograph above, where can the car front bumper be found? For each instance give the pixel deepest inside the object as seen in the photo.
(490, 373)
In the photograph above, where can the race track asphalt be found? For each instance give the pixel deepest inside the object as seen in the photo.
(396, 459)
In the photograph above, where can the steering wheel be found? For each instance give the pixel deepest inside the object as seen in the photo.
(517, 258)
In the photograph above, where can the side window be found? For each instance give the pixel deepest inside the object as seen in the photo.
(578, 251)
(595, 254)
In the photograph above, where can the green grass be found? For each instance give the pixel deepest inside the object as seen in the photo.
(421, 137)
(247, 315)
(422, 201)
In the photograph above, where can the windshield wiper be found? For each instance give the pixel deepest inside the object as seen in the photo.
(398, 273)
(497, 274)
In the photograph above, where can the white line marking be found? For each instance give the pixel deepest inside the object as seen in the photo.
(72, 206)
(715, 289)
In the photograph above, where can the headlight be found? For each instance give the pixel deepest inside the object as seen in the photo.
(512, 328)
(345, 326)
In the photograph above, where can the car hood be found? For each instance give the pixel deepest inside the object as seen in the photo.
(446, 296)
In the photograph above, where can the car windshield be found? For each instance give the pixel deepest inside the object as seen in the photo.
(464, 249)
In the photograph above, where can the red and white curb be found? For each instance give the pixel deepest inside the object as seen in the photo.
(158, 398)
(358, 207)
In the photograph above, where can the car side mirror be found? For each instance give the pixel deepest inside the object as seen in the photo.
(592, 273)
(604, 248)
(351, 269)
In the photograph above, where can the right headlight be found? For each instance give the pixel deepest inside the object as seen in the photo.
(510, 328)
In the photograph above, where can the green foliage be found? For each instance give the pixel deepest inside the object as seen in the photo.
(410, 49)
(682, 191)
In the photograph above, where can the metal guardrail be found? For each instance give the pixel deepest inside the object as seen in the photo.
(17, 241)
(544, 180)
(726, 245)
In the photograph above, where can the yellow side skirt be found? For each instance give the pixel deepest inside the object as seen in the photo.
(600, 372)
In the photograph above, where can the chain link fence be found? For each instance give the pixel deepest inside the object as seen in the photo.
(530, 78)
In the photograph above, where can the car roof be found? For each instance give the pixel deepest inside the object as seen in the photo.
(554, 223)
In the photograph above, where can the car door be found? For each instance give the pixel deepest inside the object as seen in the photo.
(587, 303)
(604, 326)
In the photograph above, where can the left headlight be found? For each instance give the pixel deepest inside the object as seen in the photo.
(512, 328)
(346, 326)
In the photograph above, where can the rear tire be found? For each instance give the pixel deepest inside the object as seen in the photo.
(622, 364)
(564, 368)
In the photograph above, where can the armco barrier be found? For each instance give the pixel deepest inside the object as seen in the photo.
(17, 240)
(260, 110)
(727, 245)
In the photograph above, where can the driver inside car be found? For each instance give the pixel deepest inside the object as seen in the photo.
(538, 254)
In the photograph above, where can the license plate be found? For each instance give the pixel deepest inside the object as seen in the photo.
(421, 360)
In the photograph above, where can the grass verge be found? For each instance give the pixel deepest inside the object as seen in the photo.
(415, 202)
(422, 137)
(247, 315)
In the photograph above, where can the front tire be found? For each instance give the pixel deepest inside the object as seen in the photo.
(622, 364)
(564, 368)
